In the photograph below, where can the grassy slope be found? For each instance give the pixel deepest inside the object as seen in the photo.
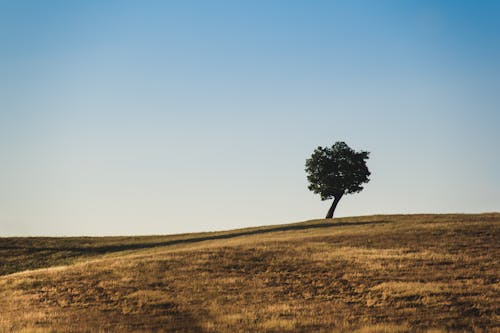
(393, 273)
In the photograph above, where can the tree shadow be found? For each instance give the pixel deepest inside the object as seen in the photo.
(137, 246)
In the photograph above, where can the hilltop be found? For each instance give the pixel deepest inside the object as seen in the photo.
(384, 273)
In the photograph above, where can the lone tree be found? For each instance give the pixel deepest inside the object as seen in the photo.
(335, 171)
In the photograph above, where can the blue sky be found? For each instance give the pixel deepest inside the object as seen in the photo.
(149, 117)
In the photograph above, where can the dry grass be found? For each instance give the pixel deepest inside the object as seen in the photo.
(402, 273)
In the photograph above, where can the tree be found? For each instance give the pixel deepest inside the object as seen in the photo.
(335, 171)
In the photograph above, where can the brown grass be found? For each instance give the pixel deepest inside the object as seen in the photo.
(399, 273)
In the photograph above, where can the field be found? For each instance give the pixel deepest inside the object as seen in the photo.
(386, 273)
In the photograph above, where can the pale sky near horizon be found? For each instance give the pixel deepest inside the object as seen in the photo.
(159, 117)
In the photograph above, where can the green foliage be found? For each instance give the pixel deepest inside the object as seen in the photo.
(337, 170)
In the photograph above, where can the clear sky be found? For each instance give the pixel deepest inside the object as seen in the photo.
(156, 117)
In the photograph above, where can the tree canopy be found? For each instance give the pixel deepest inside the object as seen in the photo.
(335, 171)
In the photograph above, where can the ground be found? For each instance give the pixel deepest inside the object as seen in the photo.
(386, 273)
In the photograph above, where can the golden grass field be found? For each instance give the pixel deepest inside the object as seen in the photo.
(386, 273)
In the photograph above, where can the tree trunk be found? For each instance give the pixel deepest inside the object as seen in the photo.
(336, 200)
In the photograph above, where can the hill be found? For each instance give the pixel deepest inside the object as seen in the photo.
(386, 273)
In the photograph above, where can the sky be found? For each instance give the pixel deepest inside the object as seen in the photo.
(161, 117)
